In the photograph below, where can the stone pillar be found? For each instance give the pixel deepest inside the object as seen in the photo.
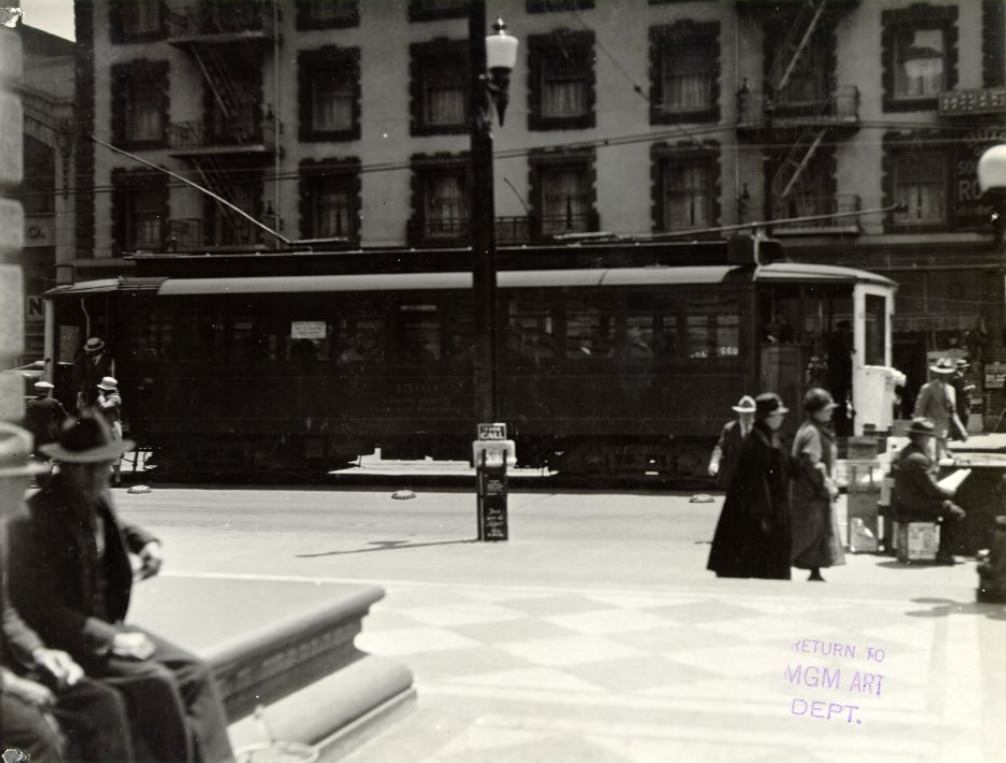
(11, 227)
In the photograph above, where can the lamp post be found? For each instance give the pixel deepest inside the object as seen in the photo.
(992, 180)
(492, 59)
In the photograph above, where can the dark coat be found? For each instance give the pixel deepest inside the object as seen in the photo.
(917, 495)
(816, 536)
(43, 417)
(752, 538)
(88, 370)
(53, 573)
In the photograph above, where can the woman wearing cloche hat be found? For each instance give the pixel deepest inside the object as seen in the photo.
(752, 538)
(816, 538)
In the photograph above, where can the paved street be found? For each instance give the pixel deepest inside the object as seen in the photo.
(595, 634)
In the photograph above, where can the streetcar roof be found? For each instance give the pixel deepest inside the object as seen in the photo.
(777, 272)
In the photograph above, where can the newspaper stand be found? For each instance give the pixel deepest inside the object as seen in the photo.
(492, 453)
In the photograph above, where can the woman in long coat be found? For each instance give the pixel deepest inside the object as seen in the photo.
(752, 537)
(816, 539)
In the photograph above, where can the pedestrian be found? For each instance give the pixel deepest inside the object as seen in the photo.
(962, 393)
(937, 402)
(723, 463)
(49, 710)
(109, 404)
(44, 414)
(752, 538)
(816, 538)
(71, 580)
(94, 362)
(918, 497)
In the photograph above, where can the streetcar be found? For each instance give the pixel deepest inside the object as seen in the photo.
(610, 363)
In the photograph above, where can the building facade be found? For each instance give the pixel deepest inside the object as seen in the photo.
(48, 192)
(345, 123)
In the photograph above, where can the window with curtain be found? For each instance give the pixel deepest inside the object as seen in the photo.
(333, 211)
(140, 17)
(920, 183)
(445, 91)
(565, 199)
(332, 97)
(687, 77)
(144, 115)
(919, 62)
(564, 85)
(688, 193)
(143, 217)
(445, 204)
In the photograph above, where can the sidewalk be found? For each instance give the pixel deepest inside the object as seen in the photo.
(700, 673)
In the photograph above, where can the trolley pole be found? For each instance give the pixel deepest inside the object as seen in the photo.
(482, 220)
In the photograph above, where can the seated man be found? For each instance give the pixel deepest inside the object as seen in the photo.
(918, 497)
(71, 579)
(48, 708)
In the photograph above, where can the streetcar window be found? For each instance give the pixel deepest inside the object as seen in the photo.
(876, 329)
(530, 329)
(361, 339)
(588, 330)
(635, 343)
(419, 338)
(713, 324)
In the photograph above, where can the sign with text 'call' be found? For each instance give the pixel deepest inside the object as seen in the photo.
(491, 431)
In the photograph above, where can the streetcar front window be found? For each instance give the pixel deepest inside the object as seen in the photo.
(876, 330)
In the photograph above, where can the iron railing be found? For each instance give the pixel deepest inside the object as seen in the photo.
(195, 135)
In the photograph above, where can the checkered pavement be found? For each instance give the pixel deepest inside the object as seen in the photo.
(548, 674)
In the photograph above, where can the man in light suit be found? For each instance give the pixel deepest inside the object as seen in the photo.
(723, 463)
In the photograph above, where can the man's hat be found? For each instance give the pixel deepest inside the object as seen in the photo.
(817, 399)
(943, 366)
(43, 386)
(922, 427)
(94, 344)
(768, 403)
(15, 453)
(109, 384)
(86, 440)
(745, 405)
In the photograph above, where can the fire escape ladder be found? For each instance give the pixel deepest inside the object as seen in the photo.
(217, 76)
(214, 177)
(796, 161)
(795, 43)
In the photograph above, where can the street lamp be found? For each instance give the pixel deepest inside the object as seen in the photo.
(492, 60)
(992, 180)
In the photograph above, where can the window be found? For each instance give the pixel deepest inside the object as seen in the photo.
(589, 330)
(140, 209)
(876, 330)
(38, 189)
(713, 323)
(684, 60)
(428, 10)
(439, 88)
(920, 57)
(562, 192)
(327, 14)
(920, 183)
(137, 20)
(548, 6)
(530, 334)
(419, 334)
(686, 189)
(140, 103)
(329, 94)
(440, 200)
(561, 84)
(330, 199)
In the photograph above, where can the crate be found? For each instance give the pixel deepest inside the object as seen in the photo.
(917, 541)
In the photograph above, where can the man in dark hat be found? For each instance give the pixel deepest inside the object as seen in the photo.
(71, 579)
(918, 497)
(48, 707)
(44, 414)
(94, 363)
(727, 452)
(937, 402)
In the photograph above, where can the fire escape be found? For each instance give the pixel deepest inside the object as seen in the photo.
(800, 106)
(231, 146)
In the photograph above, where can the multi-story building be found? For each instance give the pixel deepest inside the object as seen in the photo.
(858, 123)
(48, 191)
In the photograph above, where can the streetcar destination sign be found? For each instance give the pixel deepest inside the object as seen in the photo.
(491, 431)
